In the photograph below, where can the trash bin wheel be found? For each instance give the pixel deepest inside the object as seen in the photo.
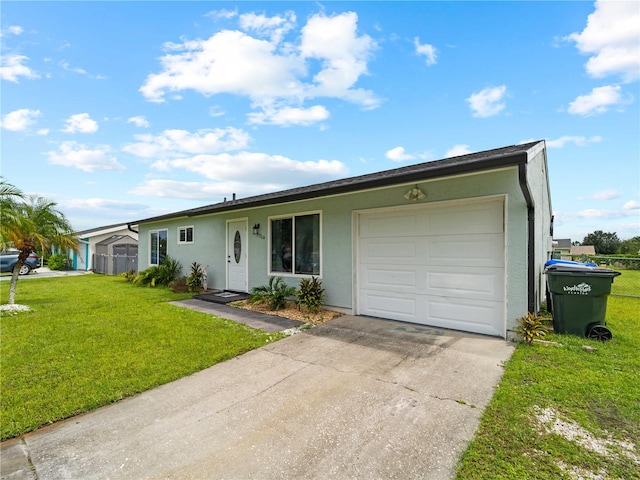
(600, 333)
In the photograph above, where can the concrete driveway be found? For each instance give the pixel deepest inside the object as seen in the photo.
(354, 398)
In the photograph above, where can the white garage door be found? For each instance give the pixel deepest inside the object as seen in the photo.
(434, 265)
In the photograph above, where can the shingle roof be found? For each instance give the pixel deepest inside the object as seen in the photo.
(485, 160)
(99, 229)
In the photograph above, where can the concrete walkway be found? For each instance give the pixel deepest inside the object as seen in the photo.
(268, 323)
(355, 398)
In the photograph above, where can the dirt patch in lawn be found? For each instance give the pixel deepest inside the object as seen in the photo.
(291, 312)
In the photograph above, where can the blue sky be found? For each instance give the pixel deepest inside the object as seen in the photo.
(119, 111)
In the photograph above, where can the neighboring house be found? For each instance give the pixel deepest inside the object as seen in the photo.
(457, 243)
(582, 252)
(116, 254)
(562, 248)
(88, 241)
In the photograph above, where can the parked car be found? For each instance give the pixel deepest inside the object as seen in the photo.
(9, 258)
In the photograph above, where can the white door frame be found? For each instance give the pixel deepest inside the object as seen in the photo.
(243, 270)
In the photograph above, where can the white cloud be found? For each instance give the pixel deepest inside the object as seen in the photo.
(398, 154)
(19, 120)
(270, 71)
(429, 51)
(227, 62)
(245, 166)
(598, 101)
(43, 131)
(100, 205)
(611, 38)
(487, 102)
(245, 173)
(458, 150)
(631, 205)
(80, 123)
(273, 27)
(14, 30)
(223, 13)
(600, 214)
(73, 154)
(11, 68)
(289, 116)
(175, 143)
(344, 56)
(216, 111)
(198, 190)
(69, 68)
(139, 121)
(579, 141)
(609, 194)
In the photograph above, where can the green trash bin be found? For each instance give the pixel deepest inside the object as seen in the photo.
(578, 294)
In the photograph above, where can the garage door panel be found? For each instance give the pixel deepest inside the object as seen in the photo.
(392, 279)
(481, 284)
(471, 250)
(468, 219)
(466, 314)
(389, 251)
(381, 225)
(387, 305)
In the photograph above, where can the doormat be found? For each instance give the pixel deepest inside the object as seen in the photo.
(222, 297)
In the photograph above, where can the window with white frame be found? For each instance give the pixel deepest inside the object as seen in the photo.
(295, 244)
(185, 234)
(157, 246)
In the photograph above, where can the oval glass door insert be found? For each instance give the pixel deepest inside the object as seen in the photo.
(237, 246)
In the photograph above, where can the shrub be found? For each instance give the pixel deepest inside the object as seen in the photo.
(311, 294)
(129, 276)
(59, 261)
(159, 275)
(275, 294)
(195, 281)
(531, 327)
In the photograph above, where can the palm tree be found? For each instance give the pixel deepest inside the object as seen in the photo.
(9, 197)
(29, 226)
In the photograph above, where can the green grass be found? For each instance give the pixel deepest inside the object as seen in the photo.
(597, 390)
(92, 340)
(627, 284)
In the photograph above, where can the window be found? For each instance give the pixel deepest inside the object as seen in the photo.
(295, 244)
(158, 246)
(185, 234)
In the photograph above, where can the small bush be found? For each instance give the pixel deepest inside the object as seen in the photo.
(275, 294)
(531, 327)
(311, 294)
(129, 276)
(159, 275)
(59, 261)
(195, 281)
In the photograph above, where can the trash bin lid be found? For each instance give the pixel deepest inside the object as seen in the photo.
(579, 269)
(568, 262)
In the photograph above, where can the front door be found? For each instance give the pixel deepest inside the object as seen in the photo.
(237, 256)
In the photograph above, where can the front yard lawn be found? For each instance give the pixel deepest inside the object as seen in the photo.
(91, 340)
(564, 411)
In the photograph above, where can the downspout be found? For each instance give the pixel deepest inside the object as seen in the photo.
(531, 220)
(131, 229)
